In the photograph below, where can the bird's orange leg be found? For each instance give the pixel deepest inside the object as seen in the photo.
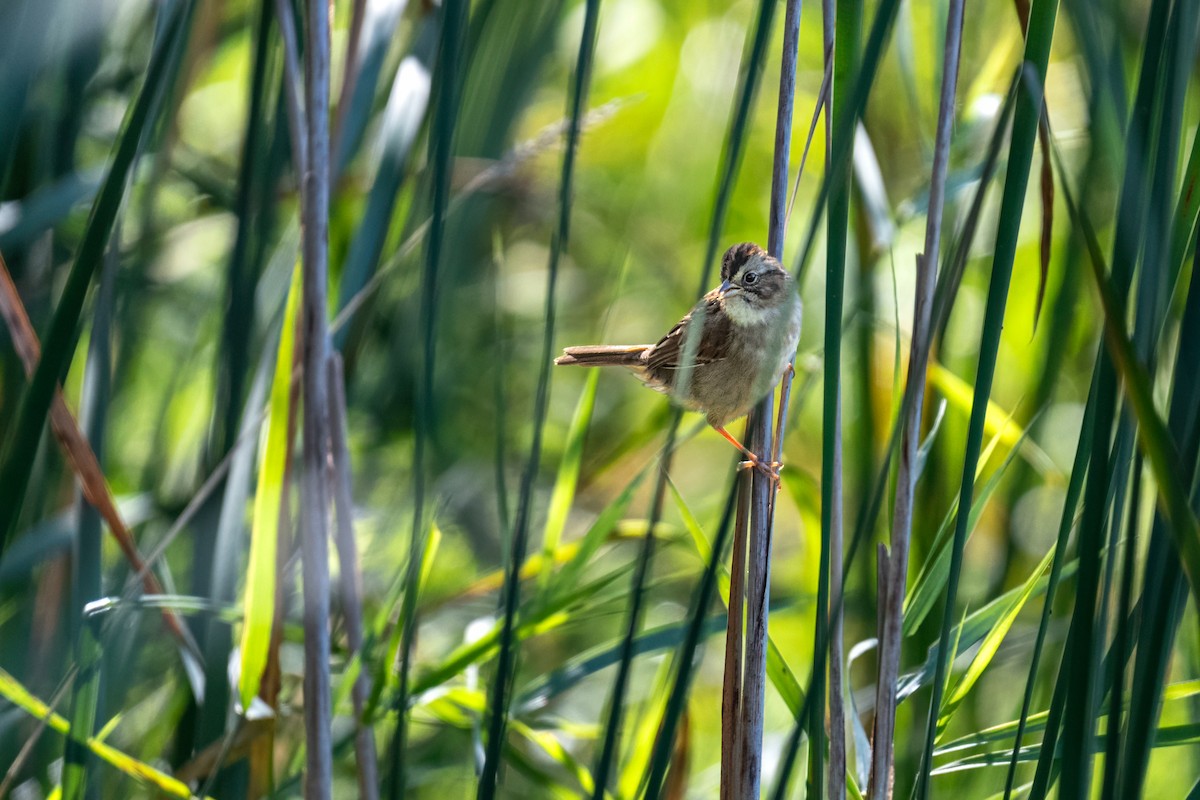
(770, 469)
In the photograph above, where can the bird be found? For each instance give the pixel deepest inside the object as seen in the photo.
(727, 352)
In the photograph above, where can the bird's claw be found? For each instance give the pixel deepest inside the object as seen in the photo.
(770, 469)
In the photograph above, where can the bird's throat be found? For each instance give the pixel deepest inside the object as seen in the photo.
(742, 313)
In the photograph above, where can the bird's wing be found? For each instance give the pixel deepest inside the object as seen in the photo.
(713, 344)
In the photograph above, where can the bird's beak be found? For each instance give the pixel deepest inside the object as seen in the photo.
(726, 287)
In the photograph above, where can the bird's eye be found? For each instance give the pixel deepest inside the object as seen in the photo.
(749, 278)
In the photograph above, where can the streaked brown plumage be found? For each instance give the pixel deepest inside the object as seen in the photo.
(747, 334)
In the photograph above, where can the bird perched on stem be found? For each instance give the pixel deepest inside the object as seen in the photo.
(727, 352)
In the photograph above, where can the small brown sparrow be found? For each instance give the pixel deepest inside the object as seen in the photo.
(727, 352)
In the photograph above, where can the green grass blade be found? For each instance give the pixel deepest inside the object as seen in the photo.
(569, 575)
(46, 207)
(384, 674)
(499, 696)
(454, 17)
(378, 32)
(259, 603)
(951, 273)
(58, 346)
(935, 571)
(402, 120)
(1122, 642)
(243, 268)
(780, 674)
(1074, 702)
(27, 25)
(1187, 210)
(227, 551)
(1025, 124)
(715, 572)
(1083, 451)
(845, 121)
(12, 690)
(553, 747)
(1156, 441)
(568, 473)
(607, 753)
(998, 422)
(972, 630)
(537, 619)
(826, 633)
(1162, 602)
(593, 661)
(88, 558)
(990, 645)
(645, 722)
(1171, 695)
(1164, 736)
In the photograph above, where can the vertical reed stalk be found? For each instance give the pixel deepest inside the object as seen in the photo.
(895, 575)
(351, 582)
(758, 605)
(732, 730)
(314, 531)
(731, 689)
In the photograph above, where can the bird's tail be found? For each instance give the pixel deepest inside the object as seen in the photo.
(603, 355)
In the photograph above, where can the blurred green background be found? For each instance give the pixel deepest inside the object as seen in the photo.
(189, 298)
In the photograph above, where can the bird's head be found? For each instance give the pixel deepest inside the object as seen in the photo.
(752, 284)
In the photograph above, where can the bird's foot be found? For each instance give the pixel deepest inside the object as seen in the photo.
(769, 469)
